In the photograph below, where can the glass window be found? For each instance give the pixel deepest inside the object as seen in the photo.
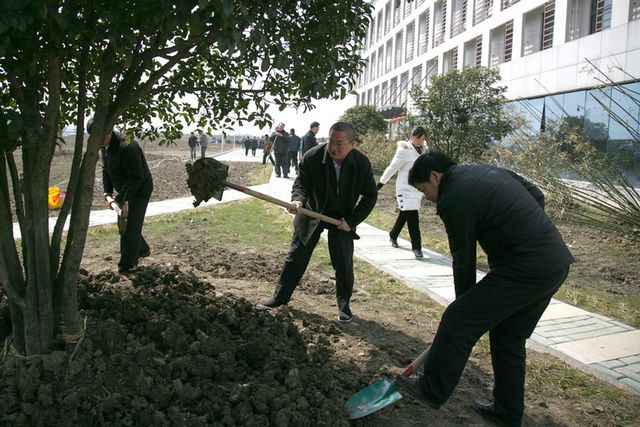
(432, 69)
(596, 116)
(529, 110)
(532, 31)
(625, 112)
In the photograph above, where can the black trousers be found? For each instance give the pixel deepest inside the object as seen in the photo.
(509, 308)
(413, 223)
(282, 164)
(296, 262)
(132, 243)
(293, 160)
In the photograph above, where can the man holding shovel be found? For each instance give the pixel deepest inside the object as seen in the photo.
(125, 170)
(337, 181)
(528, 261)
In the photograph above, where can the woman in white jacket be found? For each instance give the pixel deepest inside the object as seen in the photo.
(408, 198)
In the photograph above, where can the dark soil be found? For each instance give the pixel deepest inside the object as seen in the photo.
(180, 342)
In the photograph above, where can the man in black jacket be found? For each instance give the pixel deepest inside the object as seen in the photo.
(309, 139)
(528, 261)
(125, 170)
(336, 180)
(294, 146)
(280, 140)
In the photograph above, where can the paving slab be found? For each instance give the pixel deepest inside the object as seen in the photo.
(603, 348)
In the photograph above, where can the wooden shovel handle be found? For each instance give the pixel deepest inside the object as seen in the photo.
(114, 205)
(409, 370)
(282, 203)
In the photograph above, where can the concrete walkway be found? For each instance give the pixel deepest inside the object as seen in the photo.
(590, 342)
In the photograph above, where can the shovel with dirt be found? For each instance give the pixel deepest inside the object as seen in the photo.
(208, 178)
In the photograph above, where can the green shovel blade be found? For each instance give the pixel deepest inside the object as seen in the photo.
(374, 397)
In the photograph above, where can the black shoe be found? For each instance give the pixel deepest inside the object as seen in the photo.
(344, 317)
(277, 176)
(412, 387)
(394, 242)
(418, 253)
(270, 304)
(126, 271)
(487, 410)
(145, 254)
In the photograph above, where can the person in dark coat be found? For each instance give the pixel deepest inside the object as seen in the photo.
(267, 145)
(125, 170)
(294, 144)
(336, 180)
(193, 143)
(280, 140)
(254, 146)
(309, 139)
(528, 261)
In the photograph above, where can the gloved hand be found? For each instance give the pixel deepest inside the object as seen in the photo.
(379, 186)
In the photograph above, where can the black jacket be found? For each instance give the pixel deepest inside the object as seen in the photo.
(504, 213)
(124, 168)
(309, 141)
(294, 143)
(356, 191)
(280, 142)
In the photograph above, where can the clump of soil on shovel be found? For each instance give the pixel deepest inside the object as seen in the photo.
(206, 179)
(164, 348)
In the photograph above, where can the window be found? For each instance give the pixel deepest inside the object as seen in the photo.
(634, 9)
(411, 36)
(385, 94)
(396, 12)
(393, 91)
(500, 44)
(376, 96)
(416, 76)
(407, 7)
(473, 52)
(398, 50)
(586, 17)
(481, 10)
(537, 29)
(432, 69)
(423, 32)
(458, 17)
(506, 3)
(387, 18)
(380, 22)
(369, 97)
(381, 61)
(440, 19)
(404, 88)
(388, 57)
(372, 69)
(450, 60)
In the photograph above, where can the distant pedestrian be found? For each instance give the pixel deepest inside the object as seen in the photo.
(246, 143)
(407, 196)
(254, 146)
(294, 145)
(193, 143)
(280, 140)
(309, 138)
(528, 262)
(204, 142)
(267, 145)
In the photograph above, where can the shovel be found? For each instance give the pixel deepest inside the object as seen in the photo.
(208, 177)
(381, 393)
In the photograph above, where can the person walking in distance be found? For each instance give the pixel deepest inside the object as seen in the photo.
(309, 139)
(204, 143)
(528, 262)
(280, 140)
(125, 170)
(267, 146)
(407, 196)
(334, 179)
(193, 143)
(294, 144)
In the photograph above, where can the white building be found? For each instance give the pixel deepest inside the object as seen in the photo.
(541, 48)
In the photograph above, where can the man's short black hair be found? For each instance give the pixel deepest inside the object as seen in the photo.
(314, 125)
(344, 127)
(427, 163)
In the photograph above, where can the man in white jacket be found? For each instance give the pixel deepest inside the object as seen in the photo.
(407, 196)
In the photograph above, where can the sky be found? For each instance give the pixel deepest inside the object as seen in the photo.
(327, 112)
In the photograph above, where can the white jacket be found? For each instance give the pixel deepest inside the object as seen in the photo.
(408, 198)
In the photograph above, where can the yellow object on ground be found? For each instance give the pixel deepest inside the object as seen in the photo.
(56, 197)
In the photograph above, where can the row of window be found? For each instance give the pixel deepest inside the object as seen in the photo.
(584, 17)
(609, 117)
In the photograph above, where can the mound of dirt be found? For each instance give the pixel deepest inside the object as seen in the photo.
(165, 348)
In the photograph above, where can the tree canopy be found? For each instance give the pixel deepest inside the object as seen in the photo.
(462, 112)
(139, 64)
(365, 119)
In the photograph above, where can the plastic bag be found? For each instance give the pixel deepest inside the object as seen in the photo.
(56, 197)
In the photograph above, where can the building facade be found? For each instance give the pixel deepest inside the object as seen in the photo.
(545, 51)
